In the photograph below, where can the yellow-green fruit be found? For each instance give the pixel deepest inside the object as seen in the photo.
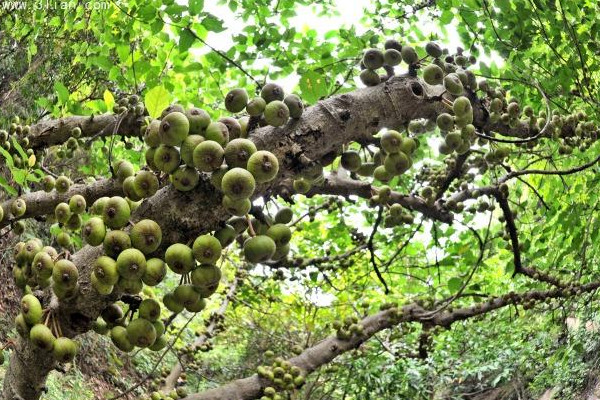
(123, 169)
(180, 258)
(198, 119)
(18, 227)
(453, 140)
(156, 270)
(238, 151)
(272, 92)
(373, 59)
(116, 212)
(105, 269)
(31, 248)
(433, 49)
(206, 279)
(256, 106)
(187, 149)
(236, 100)
(198, 306)
(98, 206)
(208, 156)
(130, 286)
(149, 310)
(281, 252)
(276, 113)
(453, 84)
(259, 249)
(151, 137)
(217, 132)
(62, 184)
(397, 163)
(63, 239)
(100, 287)
(233, 127)
(173, 129)
(64, 350)
(129, 189)
(1, 213)
(100, 326)
(186, 295)
(185, 179)
(145, 184)
(433, 75)
(301, 185)
(119, 337)
(295, 105)
(390, 141)
(409, 55)
(172, 304)
(392, 57)
(159, 327)
(75, 221)
(238, 183)
(18, 207)
(445, 122)
(146, 236)
(166, 158)
(77, 204)
(65, 273)
(226, 235)
(48, 183)
(408, 146)
(131, 264)
(284, 215)
(31, 309)
(21, 326)
(462, 107)
(62, 212)
(370, 77)
(42, 337)
(263, 165)
(351, 160)
(115, 242)
(280, 233)
(149, 156)
(238, 208)
(42, 265)
(381, 174)
(207, 249)
(159, 344)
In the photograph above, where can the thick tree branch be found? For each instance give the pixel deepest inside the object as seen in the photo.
(41, 203)
(328, 349)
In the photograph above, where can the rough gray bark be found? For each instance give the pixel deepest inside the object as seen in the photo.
(52, 132)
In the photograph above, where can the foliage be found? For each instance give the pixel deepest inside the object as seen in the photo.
(84, 61)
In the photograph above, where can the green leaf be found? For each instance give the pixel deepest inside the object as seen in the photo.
(62, 92)
(9, 189)
(156, 100)
(109, 99)
(312, 86)
(454, 284)
(213, 24)
(195, 6)
(186, 39)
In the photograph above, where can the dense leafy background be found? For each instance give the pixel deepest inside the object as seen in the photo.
(57, 63)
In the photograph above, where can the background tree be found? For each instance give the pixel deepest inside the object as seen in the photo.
(383, 232)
